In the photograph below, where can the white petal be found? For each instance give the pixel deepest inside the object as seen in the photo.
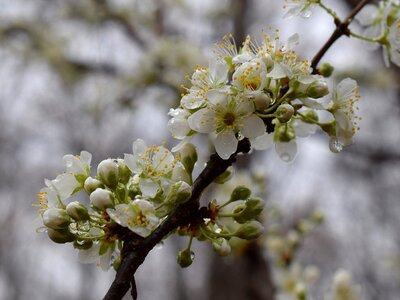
(217, 97)
(131, 162)
(286, 150)
(139, 147)
(367, 15)
(148, 187)
(252, 126)
(203, 121)
(263, 142)
(277, 72)
(181, 144)
(179, 128)
(90, 255)
(345, 88)
(191, 101)
(162, 160)
(226, 143)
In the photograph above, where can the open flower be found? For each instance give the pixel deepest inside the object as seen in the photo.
(343, 107)
(155, 166)
(227, 116)
(139, 216)
(78, 165)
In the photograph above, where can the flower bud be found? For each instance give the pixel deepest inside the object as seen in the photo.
(300, 291)
(188, 157)
(77, 211)
(91, 185)
(60, 236)
(317, 89)
(326, 70)
(107, 172)
(250, 230)
(262, 101)
(267, 59)
(56, 218)
(284, 134)
(124, 172)
(309, 116)
(185, 258)
(284, 112)
(179, 193)
(221, 246)
(317, 217)
(253, 207)
(240, 193)
(102, 199)
(224, 177)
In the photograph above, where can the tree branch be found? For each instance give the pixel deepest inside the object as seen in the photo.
(342, 28)
(135, 251)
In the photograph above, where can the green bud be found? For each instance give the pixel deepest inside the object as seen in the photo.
(284, 134)
(250, 230)
(92, 184)
(284, 112)
(83, 245)
(56, 218)
(310, 115)
(60, 236)
(240, 193)
(329, 128)
(188, 157)
(317, 89)
(120, 192)
(318, 217)
(185, 258)
(179, 193)
(224, 177)
(252, 208)
(77, 211)
(326, 70)
(221, 246)
(123, 171)
(102, 199)
(301, 292)
(107, 172)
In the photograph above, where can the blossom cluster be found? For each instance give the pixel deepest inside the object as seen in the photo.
(382, 27)
(265, 93)
(132, 196)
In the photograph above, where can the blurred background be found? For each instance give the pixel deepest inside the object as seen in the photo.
(97, 74)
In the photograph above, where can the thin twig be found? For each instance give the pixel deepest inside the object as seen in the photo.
(342, 28)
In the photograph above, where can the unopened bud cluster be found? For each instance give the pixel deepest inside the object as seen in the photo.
(134, 194)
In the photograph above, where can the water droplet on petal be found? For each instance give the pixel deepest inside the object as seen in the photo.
(285, 157)
(335, 146)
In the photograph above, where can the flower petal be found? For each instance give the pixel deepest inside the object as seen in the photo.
(252, 126)
(226, 143)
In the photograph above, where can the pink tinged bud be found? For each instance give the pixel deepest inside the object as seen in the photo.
(56, 218)
(102, 199)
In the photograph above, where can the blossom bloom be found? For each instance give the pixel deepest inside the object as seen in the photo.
(139, 216)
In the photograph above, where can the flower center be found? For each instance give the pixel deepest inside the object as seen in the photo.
(229, 119)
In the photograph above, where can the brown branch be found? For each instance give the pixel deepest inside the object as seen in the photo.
(135, 252)
(342, 28)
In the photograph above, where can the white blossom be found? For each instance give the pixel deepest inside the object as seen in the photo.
(302, 8)
(139, 216)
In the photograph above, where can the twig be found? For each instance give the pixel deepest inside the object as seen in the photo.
(342, 28)
(185, 214)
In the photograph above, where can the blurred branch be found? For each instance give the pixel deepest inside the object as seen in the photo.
(47, 46)
(189, 213)
(342, 28)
